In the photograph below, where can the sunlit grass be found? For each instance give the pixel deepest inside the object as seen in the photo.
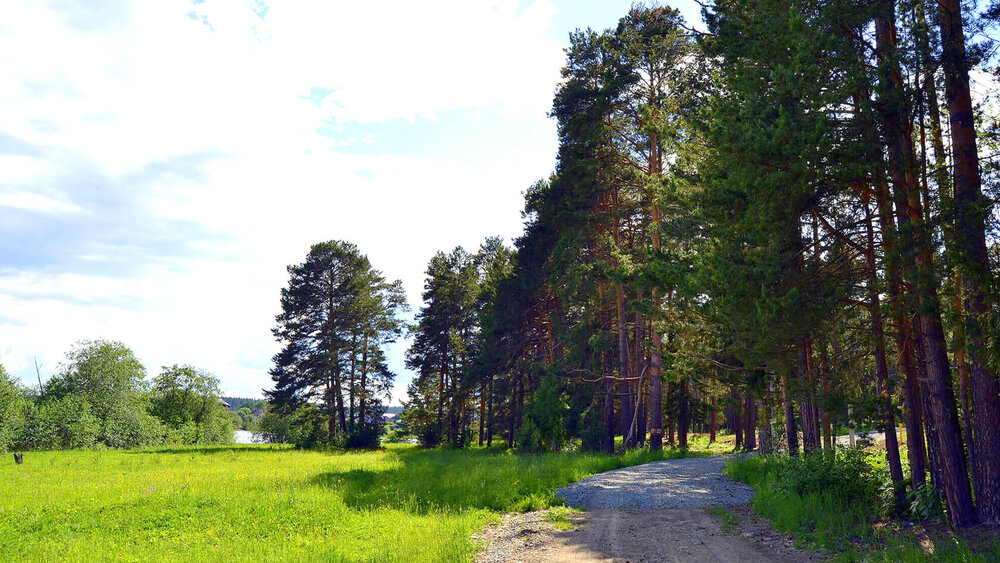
(268, 503)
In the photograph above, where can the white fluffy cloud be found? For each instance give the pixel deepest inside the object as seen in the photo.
(206, 118)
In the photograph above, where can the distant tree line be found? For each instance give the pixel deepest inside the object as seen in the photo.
(246, 412)
(778, 220)
(101, 398)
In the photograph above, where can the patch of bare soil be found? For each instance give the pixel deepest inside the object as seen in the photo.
(634, 536)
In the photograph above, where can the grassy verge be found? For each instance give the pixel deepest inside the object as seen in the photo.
(842, 505)
(269, 503)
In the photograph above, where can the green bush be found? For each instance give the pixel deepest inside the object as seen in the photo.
(396, 436)
(73, 423)
(544, 428)
(186, 400)
(853, 475)
(528, 438)
(305, 426)
(826, 500)
(12, 411)
(365, 438)
(592, 429)
(925, 503)
(129, 425)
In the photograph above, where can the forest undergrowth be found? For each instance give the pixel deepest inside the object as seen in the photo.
(845, 504)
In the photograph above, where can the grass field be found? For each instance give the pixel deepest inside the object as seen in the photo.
(273, 503)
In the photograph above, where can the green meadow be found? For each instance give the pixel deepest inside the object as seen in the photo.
(274, 503)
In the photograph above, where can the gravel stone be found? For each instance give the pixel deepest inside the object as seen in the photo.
(693, 482)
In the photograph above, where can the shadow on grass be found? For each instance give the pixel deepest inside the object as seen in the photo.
(455, 480)
(426, 481)
(236, 448)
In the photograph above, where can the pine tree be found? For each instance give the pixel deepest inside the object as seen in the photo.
(337, 315)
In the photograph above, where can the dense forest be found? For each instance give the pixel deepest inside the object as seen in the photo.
(768, 223)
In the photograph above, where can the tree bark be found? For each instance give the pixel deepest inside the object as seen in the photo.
(900, 148)
(489, 408)
(882, 366)
(973, 259)
(362, 404)
(339, 396)
(737, 420)
(350, 385)
(824, 374)
(683, 414)
(627, 404)
(441, 385)
(791, 432)
(714, 421)
(810, 441)
(750, 426)
(482, 412)
(905, 344)
(929, 94)
(656, 354)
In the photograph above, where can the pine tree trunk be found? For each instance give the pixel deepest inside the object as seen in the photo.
(900, 149)
(750, 426)
(963, 373)
(489, 409)
(351, 380)
(683, 414)
(791, 432)
(655, 391)
(627, 406)
(609, 406)
(737, 421)
(656, 354)
(482, 412)
(929, 92)
(714, 421)
(933, 453)
(810, 441)
(639, 363)
(905, 343)
(331, 405)
(339, 396)
(766, 434)
(441, 385)
(362, 406)
(882, 366)
(520, 403)
(453, 407)
(970, 239)
(824, 374)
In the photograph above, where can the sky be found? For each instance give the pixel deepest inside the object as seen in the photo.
(161, 163)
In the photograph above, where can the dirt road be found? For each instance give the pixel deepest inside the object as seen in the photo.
(648, 513)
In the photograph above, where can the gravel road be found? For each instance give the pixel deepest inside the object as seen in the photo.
(644, 514)
(693, 482)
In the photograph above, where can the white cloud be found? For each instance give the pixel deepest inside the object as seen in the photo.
(155, 85)
(38, 202)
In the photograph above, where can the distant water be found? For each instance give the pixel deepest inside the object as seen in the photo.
(248, 437)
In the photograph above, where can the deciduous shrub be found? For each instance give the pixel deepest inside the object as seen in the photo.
(12, 406)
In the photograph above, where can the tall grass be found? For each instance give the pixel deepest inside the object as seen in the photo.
(269, 503)
(842, 503)
(825, 502)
